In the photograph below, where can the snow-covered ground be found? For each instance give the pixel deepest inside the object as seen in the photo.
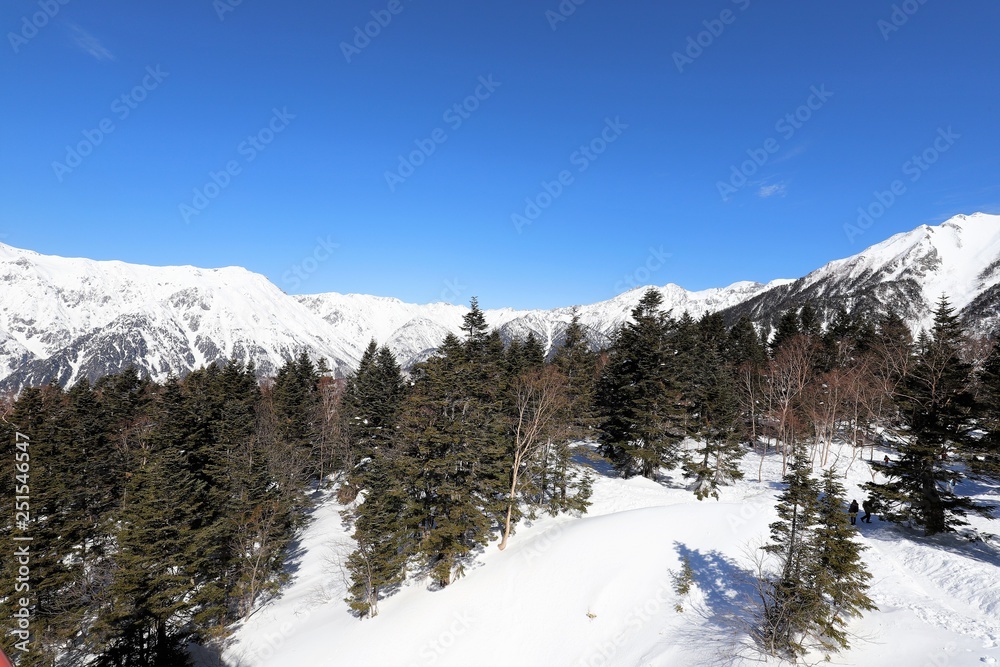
(598, 590)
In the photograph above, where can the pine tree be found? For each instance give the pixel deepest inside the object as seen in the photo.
(687, 372)
(789, 326)
(453, 429)
(534, 352)
(937, 403)
(371, 401)
(791, 601)
(475, 328)
(839, 342)
(157, 564)
(297, 406)
(264, 484)
(557, 475)
(56, 574)
(715, 413)
(641, 420)
(821, 580)
(744, 345)
(221, 404)
(840, 578)
(809, 321)
(984, 456)
(578, 363)
(385, 539)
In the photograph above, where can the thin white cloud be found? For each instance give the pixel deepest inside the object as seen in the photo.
(772, 189)
(90, 44)
(791, 153)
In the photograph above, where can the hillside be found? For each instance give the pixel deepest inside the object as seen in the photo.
(64, 320)
(597, 590)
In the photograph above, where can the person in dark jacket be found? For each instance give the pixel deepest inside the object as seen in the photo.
(867, 507)
(853, 512)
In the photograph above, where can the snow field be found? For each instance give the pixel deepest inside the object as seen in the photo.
(598, 590)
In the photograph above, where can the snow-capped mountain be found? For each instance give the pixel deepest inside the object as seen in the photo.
(908, 272)
(67, 319)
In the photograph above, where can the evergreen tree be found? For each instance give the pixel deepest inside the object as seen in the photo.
(297, 405)
(686, 371)
(221, 407)
(937, 403)
(984, 456)
(789, 326)
(715, 413)
(839, 342)
(475, 328)
(578, 363)
(523, 355)
(841, 578)
(371, 402)
(56, 578)
(744, 345)
(639, 405)
(809, 321)
(534, 352)
(454, 451)
(557, 475)
(385, 539)
(157, 561)
(791, 601)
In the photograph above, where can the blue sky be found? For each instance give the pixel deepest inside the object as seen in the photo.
(594, 146)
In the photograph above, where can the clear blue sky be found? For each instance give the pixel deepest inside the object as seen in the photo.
(445, 232)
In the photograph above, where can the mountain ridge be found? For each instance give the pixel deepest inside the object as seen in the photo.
(66, 319)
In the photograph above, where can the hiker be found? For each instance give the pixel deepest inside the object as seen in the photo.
(853, 511)
(867, 507)
(887, 459)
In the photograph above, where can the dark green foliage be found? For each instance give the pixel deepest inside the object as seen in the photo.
(453, 433)
(57, 573)
(371, 410)
(840, 576)
(710, 394)
(809, 321)
(158, 514)
(744, 345)
(524, 355)
(370, 404)
(839, 342)
(638, 397)
(557, 475)
(443, 484)
(158, 559)
(821, 580)
(937, 402)
(789, 326)
(296, 402)
(578, 364)
(985, 452)
(385, 539)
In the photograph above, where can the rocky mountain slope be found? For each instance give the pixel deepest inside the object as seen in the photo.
(66, 319)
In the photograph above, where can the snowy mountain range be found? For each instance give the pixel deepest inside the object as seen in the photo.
(66, 319)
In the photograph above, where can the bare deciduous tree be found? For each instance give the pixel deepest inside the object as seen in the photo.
(789, 373)
(540, 397)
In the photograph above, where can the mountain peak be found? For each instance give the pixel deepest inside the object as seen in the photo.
(66, 319)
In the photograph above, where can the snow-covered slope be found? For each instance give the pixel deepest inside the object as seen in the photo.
(67, 319)
(908, 272)
(598, 590)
